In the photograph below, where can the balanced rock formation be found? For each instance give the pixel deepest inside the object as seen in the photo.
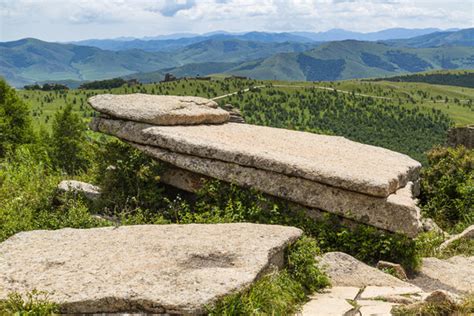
(172, 110)
(364, 183)
(165, 269)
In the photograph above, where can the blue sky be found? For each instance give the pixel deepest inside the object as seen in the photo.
(67, 20)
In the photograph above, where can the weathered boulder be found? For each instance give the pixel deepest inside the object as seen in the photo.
(160, 109)
(345, 270)
(398, 212)
(175, 269)
(455, 274)
(331, 160)
(90, 191)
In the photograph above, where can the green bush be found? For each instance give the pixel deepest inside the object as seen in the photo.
(219, 202)
(279, 293)
(447, 187)
(129, 179)
(27, 197)
(15, 121)
(32, 303)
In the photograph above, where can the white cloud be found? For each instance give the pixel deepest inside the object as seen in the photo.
(80, 19)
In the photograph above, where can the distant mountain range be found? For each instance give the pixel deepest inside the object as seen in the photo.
(286, 56)
(167, 42)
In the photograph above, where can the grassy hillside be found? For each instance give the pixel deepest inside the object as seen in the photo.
(461, 78)
(406, 117)
(457, 38)
(30, 60)
(355, 59)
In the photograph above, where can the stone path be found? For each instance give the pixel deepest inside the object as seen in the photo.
(359, 289)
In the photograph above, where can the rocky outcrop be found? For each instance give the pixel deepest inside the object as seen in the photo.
(160, 109)
(332, 160)
(397, 212)
(90, 191)
(364, 183)
(455, 274)
(173, 269)
(461, 136)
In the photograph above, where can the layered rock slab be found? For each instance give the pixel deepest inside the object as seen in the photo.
(397, 213)
(160, 109)
(330, 160)
(175, 269)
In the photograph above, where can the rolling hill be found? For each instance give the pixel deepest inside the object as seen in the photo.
(457, 38)
(355, 59)
(31, 60)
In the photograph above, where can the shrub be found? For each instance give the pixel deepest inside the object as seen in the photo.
(15, 121)
(129, 179)
(32, 303)
(279, 293)
(27, 191)
(447, 185)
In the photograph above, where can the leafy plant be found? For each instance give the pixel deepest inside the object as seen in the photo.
(279, 293)
(447, 187)
(35, 303)
(15, 121)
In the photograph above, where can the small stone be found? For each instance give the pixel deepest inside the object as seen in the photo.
(91, 192)
(371, 292)
(379, 308)
(442, 297)
(394, 268)
(323, 305)
(468, 233)
(430, 225)
(160, 109)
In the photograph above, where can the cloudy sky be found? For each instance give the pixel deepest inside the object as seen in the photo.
(66, 20)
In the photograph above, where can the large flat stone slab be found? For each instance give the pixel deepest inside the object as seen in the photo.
(160, 109)
(397, 213)
(175, 269)
(330, 160)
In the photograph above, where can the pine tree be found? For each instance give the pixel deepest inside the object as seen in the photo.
(68, 142)
(15, 121)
